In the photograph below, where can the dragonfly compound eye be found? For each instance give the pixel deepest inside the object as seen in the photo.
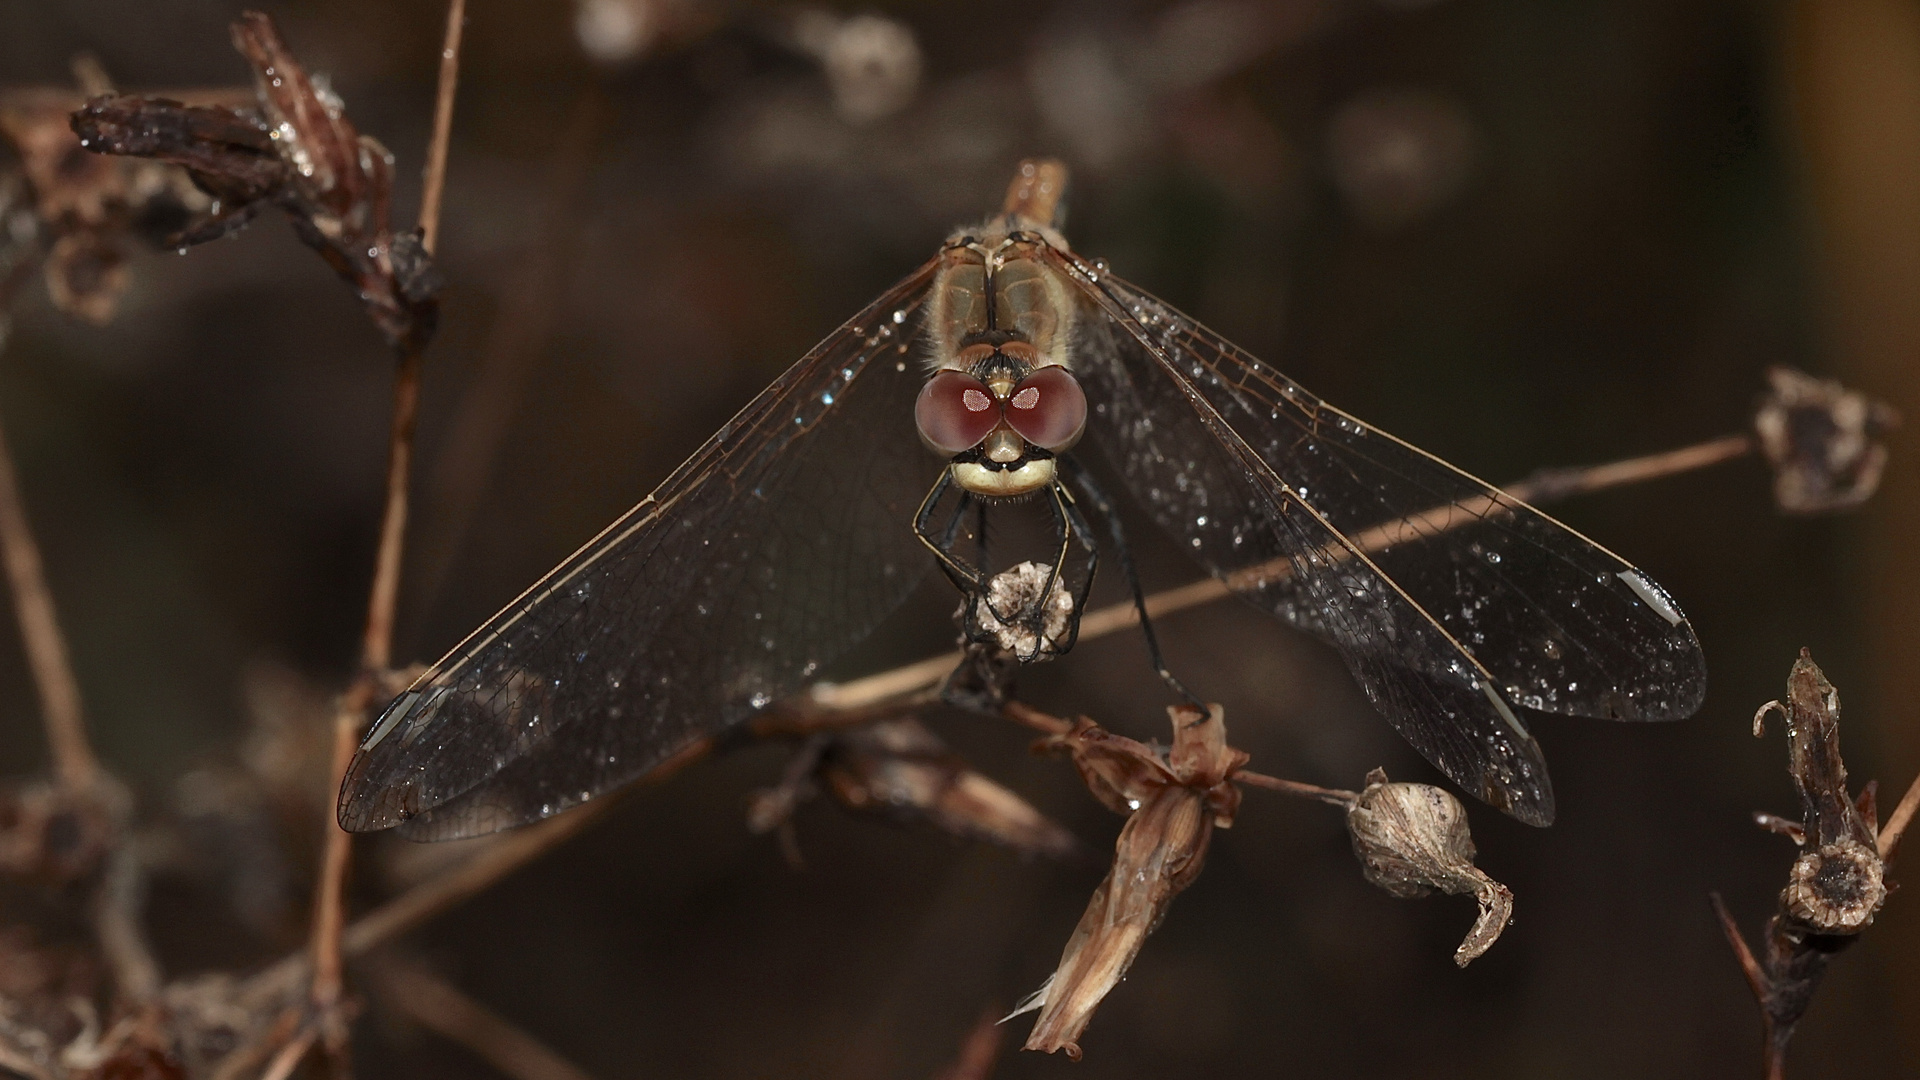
(1048, 409)
(955, 411)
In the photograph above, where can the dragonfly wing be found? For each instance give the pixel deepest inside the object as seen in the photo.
(779, 544)
(1452, 602)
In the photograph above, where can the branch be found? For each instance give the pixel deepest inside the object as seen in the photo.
(1889, 838)
(74, 764)
(436, 173)
(440, 1007)
(377, 644)
(1543, 487)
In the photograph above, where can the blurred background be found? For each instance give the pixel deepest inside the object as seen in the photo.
(1516, 234)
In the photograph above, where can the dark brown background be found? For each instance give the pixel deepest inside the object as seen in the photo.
(1659, 201)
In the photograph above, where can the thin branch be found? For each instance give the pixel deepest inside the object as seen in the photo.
(288, 1058)
(1749, 966)
(1897, 822)
(1542, 487)
(429, 898)
(1330, 796)
(1549, 485)
(123, 941)
(74, 764)
(377, 647)
(507, 854)
(440, 1007)
(436, 173)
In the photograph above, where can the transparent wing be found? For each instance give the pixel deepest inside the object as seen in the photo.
(1451, 601)
(778, 545)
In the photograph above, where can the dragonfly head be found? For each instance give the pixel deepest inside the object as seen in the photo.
(1002, 418)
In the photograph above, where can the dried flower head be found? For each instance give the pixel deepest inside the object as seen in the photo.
(1413, 840)
(1820, 438)
(1175, 796)
(80, 207)
(301, 153)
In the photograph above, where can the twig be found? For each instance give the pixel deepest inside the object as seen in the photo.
(1330, 796)
(440, 1007)
(73, 762)
(288, 1058)
(435, 178)
(431, 897)
(1544, 486)
(1549, 485)
(122, 896)
(1888, 840)
(507, 854)
(377, 648)
(980, 1051)
(1749, 966)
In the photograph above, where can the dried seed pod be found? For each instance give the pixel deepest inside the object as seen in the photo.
(1819, 437)
(1015, 593)
(1412, 840)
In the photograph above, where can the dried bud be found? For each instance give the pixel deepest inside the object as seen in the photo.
(1412, 840)
(1838, 885)
(1819, 437)
(1022, 625)
(1176, 797)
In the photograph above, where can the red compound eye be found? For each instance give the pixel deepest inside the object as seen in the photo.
(1048, 409)
(955, 411)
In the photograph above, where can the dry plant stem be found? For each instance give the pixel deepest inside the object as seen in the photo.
(441, 1008)
(1330, 796)
(136, 974)
(1889, 839)
(430, 898)
(1544, 486)
(377, 648)
(73, 762)
(288, 1058)
(1047, 724)
(436, 173)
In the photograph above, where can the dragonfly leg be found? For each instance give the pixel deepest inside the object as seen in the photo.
(964, 577)
(1103, 505)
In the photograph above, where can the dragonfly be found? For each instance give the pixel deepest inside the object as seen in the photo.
(972, 384)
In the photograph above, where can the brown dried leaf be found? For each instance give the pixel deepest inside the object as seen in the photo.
(1176, 797)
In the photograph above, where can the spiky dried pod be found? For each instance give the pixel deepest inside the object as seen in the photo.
(1412, 840)
(1836, 889)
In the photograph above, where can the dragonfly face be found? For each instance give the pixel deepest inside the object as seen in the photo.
(793, 532)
